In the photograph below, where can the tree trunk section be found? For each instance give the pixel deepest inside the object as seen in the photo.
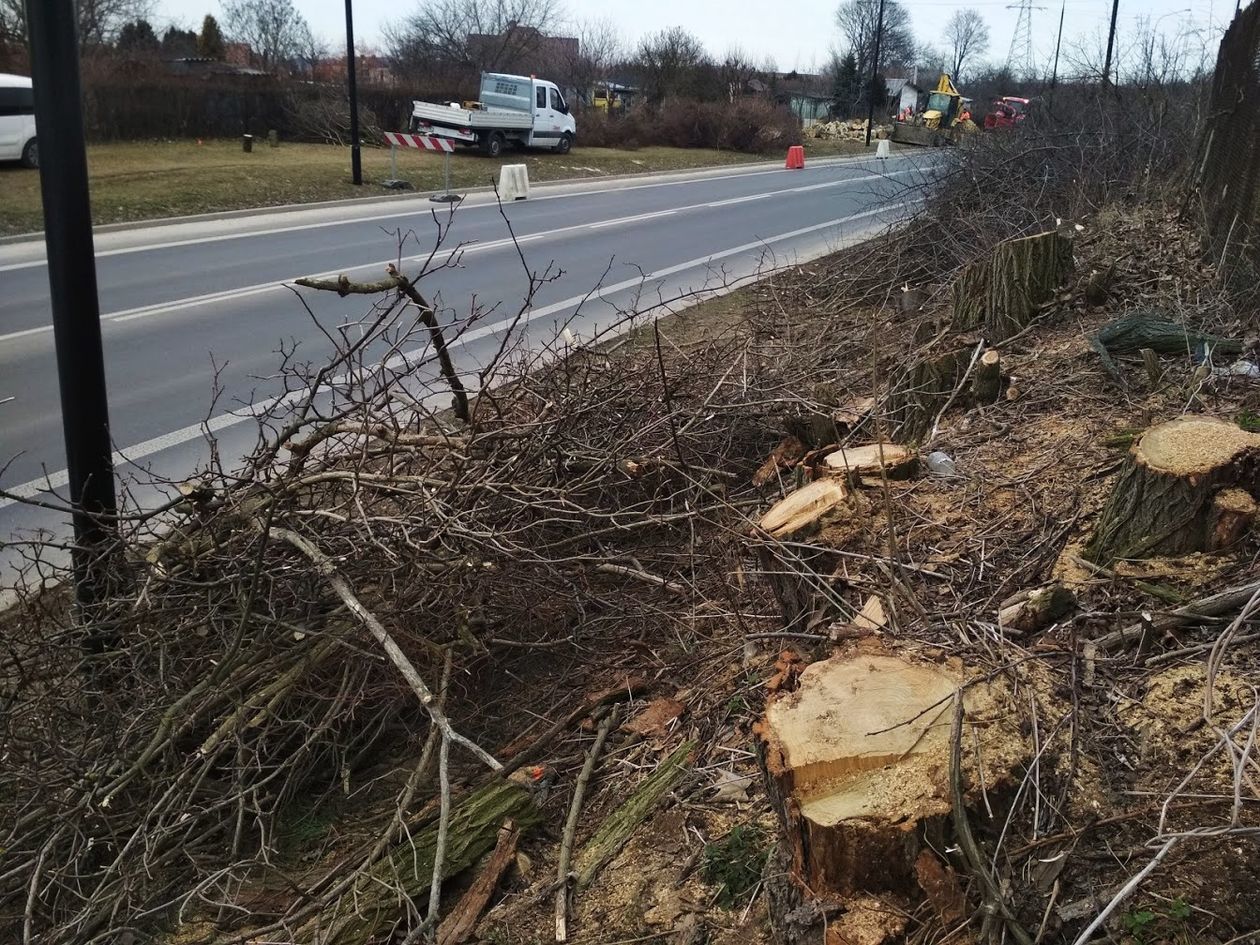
(921, 391)
(857, 761)
(874, 460)
(1001, 294)
(796, 571)
(986, 379)
(1179, 492)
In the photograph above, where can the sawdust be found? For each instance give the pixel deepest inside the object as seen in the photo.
(1189, 445)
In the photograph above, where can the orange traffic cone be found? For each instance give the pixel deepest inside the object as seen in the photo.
(795, 158)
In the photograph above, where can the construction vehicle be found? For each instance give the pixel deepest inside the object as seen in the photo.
(940, 123)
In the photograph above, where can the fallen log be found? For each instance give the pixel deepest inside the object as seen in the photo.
(1208, 608)
(856, 762)
(1165, 501)
(626, 819)
(372, 906)
(1033, 610)
(1146, 330)
(457, 926)
(1001, 294)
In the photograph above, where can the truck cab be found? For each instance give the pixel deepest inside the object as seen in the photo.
(523, 110)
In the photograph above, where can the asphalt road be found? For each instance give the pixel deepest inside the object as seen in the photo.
(186, 304)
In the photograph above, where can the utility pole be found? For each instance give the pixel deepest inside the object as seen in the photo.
(63, 182)
(356, 160)
(870, 87)
(1111, 42)
(1054, 75)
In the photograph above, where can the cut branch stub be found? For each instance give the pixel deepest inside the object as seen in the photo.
(1000, 295)
(1187, 486)
(898, 462)
(857, 762)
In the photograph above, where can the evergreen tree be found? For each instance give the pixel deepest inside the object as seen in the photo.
(847, 84)
(137, 37)
(210, 42)
(179, 44)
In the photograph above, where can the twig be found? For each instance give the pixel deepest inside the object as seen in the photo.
(404, 666)
(967, 842)
(570, 825)
(1125, 891)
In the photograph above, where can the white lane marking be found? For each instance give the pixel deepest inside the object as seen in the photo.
(420, 211)
(194, 431)
(161, 308)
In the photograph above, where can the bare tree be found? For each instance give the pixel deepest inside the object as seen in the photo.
(967, 38)
(669, 63)
(470, 36)
(598, 49)
(736, 70)
(858, 21)
(274, 30)
(98, 21)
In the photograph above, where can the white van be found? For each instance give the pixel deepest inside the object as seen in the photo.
(17, 120)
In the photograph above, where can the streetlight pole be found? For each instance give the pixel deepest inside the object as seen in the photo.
(356, 160)
(63, 182)
(870, 88)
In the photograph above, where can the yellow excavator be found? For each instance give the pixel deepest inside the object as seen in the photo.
(940, 123)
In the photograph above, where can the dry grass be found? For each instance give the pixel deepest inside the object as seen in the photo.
(153, 179)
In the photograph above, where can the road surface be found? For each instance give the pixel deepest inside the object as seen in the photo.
(185, 302)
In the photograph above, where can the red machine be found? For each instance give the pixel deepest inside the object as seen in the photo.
(1007, 112)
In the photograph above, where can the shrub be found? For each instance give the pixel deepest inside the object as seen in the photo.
(747, 124)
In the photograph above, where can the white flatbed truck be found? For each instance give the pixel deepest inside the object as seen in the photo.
(519, 109)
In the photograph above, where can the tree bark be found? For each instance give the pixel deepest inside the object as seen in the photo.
(1001, 294)
(917, 396)
(986, 380)
(856, 763)
(795, 571)
(1168, 499)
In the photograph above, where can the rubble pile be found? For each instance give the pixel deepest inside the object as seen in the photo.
(854, 129)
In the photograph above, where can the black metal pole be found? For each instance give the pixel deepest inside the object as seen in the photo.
(63, 181)
(1054, 75)
(1111, 41)
(870, 88)
(356, 160)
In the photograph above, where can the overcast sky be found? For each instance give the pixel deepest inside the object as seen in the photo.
(795, 34)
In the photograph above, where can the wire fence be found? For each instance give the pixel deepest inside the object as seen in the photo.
(1228, 175)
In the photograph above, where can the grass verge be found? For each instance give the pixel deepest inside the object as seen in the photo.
(152, 179)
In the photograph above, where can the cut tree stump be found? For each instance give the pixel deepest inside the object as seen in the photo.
(1001, 294)
(796, 571)
(986, 379)
(857, 762)
(898, 462)
(1031, 611)
(1179, 492)
(920, 392)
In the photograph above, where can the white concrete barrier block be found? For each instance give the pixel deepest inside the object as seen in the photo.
(883, 149)
(513, 182)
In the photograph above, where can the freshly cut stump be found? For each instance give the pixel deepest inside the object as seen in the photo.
(1000, 295)
(797, 573)
(1185, 487)
(898, 462)
(986, 382)
(857, 766)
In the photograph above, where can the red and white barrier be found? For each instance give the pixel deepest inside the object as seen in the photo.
(423, 142)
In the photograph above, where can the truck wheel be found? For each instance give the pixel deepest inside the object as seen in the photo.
(30, 154)
(493, 145)
(564, 144)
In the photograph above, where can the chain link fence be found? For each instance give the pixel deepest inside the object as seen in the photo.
(1228, 172)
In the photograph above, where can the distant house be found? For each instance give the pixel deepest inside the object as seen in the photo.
(806, 95)
(903, 93)
(368, 70)
(201, 67)
(522, 49)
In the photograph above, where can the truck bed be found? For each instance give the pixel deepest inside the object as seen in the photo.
(476, 119)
